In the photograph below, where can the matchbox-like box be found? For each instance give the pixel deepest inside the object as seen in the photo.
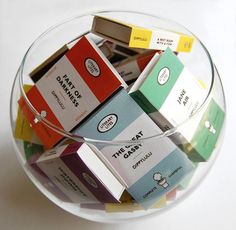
(122, 119)
(168, 91)
(76, 85)
(170, 94)
(79, 174)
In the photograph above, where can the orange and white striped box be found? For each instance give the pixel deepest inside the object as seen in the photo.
(78, 83)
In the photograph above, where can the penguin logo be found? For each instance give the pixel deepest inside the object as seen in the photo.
(92, 67)
(163, 76)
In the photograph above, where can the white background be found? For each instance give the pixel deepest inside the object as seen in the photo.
(211, 206)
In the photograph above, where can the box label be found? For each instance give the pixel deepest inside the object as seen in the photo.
(67, 94)
(164, 39)
(162, 178)
(140, 37)
(171, 90)
(184, 99)
(132, 161)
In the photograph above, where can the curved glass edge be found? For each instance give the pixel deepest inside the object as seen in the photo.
(89, 140)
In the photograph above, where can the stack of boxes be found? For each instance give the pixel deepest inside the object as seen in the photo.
(119, 92)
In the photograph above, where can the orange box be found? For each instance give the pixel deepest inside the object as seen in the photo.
(72, 88)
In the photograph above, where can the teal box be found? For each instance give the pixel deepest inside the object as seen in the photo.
(154, 90)
(111, 119)
(170, 94)
(121, 118)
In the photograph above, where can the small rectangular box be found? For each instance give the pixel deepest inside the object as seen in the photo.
(106, 50)
(32, 149)
(44, 67)
(140, 37)
(170, 94)
(123, 50)
(43, 178)
(171, 195)
(199, 137)
(131, 68)
(130, 207)
(80, 174)
(76, 85)
(99, 206)
(116, 53)
(168, 91)
(122, 119)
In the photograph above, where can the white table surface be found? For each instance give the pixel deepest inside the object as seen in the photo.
(211, 206)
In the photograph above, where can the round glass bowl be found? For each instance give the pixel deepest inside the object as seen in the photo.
(207, 120)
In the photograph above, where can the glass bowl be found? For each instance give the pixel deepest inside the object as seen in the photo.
(198, 61)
